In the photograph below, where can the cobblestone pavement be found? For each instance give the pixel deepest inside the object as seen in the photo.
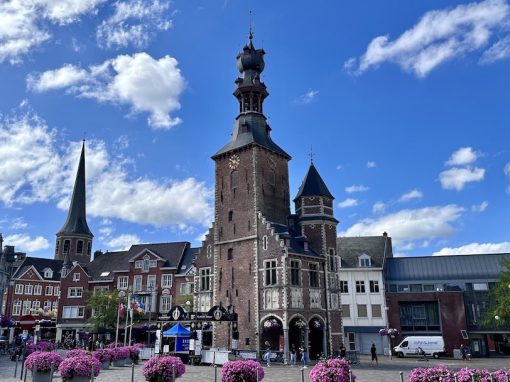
(386, 371)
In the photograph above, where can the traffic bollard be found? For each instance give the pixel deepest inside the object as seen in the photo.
(302, 374)
(92, 373)
(401, 376)
(51, 371)
(173, 372)
(491, 377)
(215, 373)
(350, 375)
(455, 378)
(133, 372)
(16, 366)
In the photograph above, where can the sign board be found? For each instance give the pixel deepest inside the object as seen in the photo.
(157, 345)
(182, 344)
(27, 322)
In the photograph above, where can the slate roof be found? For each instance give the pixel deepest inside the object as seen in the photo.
(187, 260)
(295, 241)
(251, 129)
(76, 222)
(455, 267)
(40, 264)
(377, 247)
(313, 185)
(119, 261)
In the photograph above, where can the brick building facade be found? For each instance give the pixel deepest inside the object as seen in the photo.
(276, 269)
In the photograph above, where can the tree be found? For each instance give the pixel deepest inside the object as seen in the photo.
(104, 305)
(498, 312)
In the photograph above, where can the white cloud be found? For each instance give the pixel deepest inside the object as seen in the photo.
(133, 23)
(413, 194)
(34, 176)
(378, 208)
(66, 76)
(46, 174)
(480, 207)
(371, 164)
(498, 51)
(140, 81)
(456, 178)
(308, 97)
(410, 224)
(507, 173)
(24, 242)
(18, 223)
(463, 156)
(349, 202)
(24, 25)
(122, 242)
(439, 36)
(356, 188)
(67, 11)
(475, 249)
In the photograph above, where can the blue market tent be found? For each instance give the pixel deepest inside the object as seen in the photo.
(177, 331)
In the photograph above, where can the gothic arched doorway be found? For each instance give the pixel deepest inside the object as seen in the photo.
(272, 331)
(316, 329)
(297, 332)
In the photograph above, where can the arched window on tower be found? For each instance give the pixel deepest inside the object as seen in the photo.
(264, 243)
(67, 244)
(79, 247)
(89, 248)
(230, 215)
(234, 175)
(255, 103)
(57, 246)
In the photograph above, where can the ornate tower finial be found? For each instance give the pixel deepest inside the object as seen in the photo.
(250, 34)
(311, 154)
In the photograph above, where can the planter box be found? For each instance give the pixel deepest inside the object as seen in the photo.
(79, 378)
(105, 365)
(39, 376)
(119, 362)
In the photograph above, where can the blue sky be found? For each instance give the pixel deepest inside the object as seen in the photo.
(404, 104)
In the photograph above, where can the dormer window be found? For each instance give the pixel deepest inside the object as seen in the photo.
(48, 273)
(365, 261)
(76, 277)
(146, 264)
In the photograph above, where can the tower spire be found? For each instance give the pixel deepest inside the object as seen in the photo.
(74, 240)
(76, 222)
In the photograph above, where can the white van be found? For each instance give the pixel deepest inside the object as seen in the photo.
(426, 345)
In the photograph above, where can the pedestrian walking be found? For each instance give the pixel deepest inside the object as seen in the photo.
(267, 354)
(373, 352)
(293, 355)
(304, 360)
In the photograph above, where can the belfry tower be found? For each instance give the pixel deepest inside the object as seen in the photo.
(74, 240)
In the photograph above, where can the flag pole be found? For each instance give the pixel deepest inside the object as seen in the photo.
(126, 325)
(130, 326)
(119, 304)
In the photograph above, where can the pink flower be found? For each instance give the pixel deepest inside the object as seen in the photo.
(75, 353)
(163, 368)
(241, 371)
(80, 365)
(102, 355)
(332, 370)
(43, 361)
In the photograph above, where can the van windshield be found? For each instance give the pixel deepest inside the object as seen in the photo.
(405, 344)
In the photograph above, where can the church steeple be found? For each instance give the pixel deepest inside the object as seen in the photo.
(75, 238)
(251, 126)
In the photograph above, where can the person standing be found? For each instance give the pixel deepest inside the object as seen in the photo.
(293, 355)
(342, 351)
(373, 352)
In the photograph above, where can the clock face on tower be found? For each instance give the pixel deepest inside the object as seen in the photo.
(233, 161)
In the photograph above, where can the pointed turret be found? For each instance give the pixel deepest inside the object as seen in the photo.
(74, 239)
(313, 185)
